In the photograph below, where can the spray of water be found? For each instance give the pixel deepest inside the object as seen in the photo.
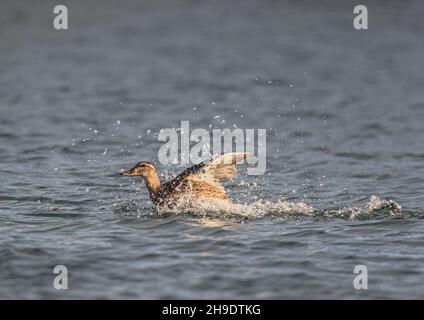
(206, 208)
(255, 207)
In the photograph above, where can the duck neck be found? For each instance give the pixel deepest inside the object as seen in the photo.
(152, 183)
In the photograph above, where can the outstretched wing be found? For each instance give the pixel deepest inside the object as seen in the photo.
(203, 180)
(220, 168)
(225, 166)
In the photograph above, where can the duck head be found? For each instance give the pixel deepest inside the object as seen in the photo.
(140, 169)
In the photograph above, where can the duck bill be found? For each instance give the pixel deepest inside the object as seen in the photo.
(127, 173)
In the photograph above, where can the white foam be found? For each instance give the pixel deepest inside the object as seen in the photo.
(212, 208)
(254, 210)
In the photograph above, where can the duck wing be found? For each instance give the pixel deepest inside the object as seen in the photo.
(203, 179)
(220, 168)
(212, 171)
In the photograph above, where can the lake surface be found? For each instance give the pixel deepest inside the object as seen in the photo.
(344, 114)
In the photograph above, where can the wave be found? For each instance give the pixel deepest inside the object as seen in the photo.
(374, 207)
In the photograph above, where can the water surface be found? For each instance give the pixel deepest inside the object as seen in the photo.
(344, 112)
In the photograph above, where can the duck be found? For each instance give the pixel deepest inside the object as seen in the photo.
(200, 181)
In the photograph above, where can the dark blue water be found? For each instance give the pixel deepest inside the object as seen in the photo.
(344, 113)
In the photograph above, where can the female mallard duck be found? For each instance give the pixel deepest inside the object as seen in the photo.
(199, 181)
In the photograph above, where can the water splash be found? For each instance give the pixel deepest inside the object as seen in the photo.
(259, 209)
(374, 207)
(377, 204)
(254, 210)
